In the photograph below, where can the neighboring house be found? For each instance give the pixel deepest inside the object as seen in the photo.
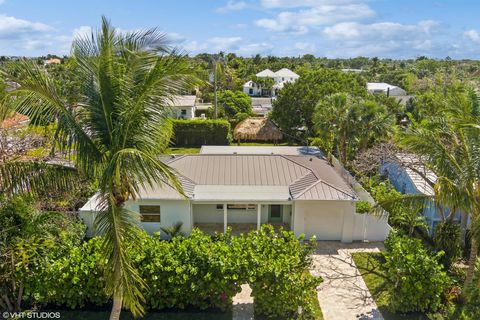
(261, 106)
(280, 77)
(183, 107)
(53, 61)
(409, 176)
(385, 88)
(302, 193)
(353, 70)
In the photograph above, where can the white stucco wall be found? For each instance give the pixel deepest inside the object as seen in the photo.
(171, 211)
(208, 213)
(324, 219)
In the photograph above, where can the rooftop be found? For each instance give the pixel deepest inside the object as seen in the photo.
(183, 101)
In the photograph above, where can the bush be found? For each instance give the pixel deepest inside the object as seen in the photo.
(77, 279)
(363, 207)
(189, 272)
(447, 239)
(201, 132)
(472, 295)
(418, 281)
(279, 277)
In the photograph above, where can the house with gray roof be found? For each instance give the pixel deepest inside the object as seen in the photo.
(294, 188)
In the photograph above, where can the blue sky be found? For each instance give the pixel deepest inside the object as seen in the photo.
(331, 28)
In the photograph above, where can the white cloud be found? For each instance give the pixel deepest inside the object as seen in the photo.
(301, 3)
(12, 28)
(472, 35)
(385, 38)
(82, 32)
(232, 6)
(300, 22)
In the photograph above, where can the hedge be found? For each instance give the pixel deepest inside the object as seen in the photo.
(201, 132)
(193, 272)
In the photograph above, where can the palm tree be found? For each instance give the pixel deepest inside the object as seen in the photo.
(113, 134)
(449, 145)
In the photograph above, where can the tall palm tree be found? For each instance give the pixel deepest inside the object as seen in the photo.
(449, 145)
(113, 134)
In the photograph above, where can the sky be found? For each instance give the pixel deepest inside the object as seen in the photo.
(324, 28)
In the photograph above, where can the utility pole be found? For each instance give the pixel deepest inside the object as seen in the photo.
(215, 88)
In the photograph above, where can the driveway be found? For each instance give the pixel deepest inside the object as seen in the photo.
(343, 295)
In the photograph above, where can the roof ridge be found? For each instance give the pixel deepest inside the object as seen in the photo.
(328, 184)
(302, 165)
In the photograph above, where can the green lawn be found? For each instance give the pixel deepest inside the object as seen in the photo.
(182, 150)
(369, 266)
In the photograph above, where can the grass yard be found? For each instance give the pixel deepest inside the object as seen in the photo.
(174, 150)
(369, 266)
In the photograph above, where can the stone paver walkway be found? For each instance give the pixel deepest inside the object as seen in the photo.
(343, 295)
(243, 304)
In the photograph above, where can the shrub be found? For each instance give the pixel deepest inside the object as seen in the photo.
(279, 277)
(417, 279)
(363, 207)
(76, 279)
(189, 272)
(472, 295)
(447, 238)
(201, 132)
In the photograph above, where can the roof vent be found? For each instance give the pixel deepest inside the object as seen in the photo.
(172, 156)
(311, 159)
(235, 152)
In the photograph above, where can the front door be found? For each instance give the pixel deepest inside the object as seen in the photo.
(275, 213)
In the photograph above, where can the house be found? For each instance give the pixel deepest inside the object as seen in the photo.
(280, 77)
(53, 61)
(385, 88)
(257, 129)
(183, 106)
(261, 106)
(409, 175)
(300, 192)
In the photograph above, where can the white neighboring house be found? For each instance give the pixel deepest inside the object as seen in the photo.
(280, 77)
(227, 187)
(385, 88)
(184, 106)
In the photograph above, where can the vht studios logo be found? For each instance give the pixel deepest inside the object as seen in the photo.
(31, 315)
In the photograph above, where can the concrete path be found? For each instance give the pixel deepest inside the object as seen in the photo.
(243, 304)
(343, 295)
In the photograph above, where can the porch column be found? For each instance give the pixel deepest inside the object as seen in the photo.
(224, 218)
(259, 215)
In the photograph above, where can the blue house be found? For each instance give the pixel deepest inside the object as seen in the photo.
(409, 176)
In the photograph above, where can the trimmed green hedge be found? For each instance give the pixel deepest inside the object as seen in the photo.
(201, 132)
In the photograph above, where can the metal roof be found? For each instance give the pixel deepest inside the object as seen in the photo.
(266, 73)
(183, 101)
(285, 72)
(418, 173)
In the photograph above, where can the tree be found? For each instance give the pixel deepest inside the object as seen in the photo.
(352, 124)
(233, 102)
(295, 104)
(115, 132)
(449, 145)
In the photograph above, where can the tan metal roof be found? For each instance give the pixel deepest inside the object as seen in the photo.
(305, 177)
(265, 170)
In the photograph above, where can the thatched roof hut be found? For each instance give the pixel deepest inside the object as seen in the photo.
(257, 129)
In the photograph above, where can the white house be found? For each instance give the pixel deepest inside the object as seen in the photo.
(385, 88)
(280, 77)
(183, 106)
(224, 187)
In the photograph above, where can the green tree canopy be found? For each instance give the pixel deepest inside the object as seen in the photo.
(295, 104)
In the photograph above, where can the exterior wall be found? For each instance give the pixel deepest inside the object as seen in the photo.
(337, 220)
(190, 112)
(208, 213)
(171, 212)
(402, 183)
(323, 219)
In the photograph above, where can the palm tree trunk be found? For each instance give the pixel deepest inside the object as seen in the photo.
(117, 306)
(463, 228)
(471, 262)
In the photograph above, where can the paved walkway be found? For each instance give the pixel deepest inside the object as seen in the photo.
(343, 295)
(243, 304)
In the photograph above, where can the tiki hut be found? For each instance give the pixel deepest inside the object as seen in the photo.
(257, 129)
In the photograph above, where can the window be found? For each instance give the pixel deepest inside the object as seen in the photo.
(241, 206)
(250, 91)
(149, 213)
(183, 112)
(219, 206)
